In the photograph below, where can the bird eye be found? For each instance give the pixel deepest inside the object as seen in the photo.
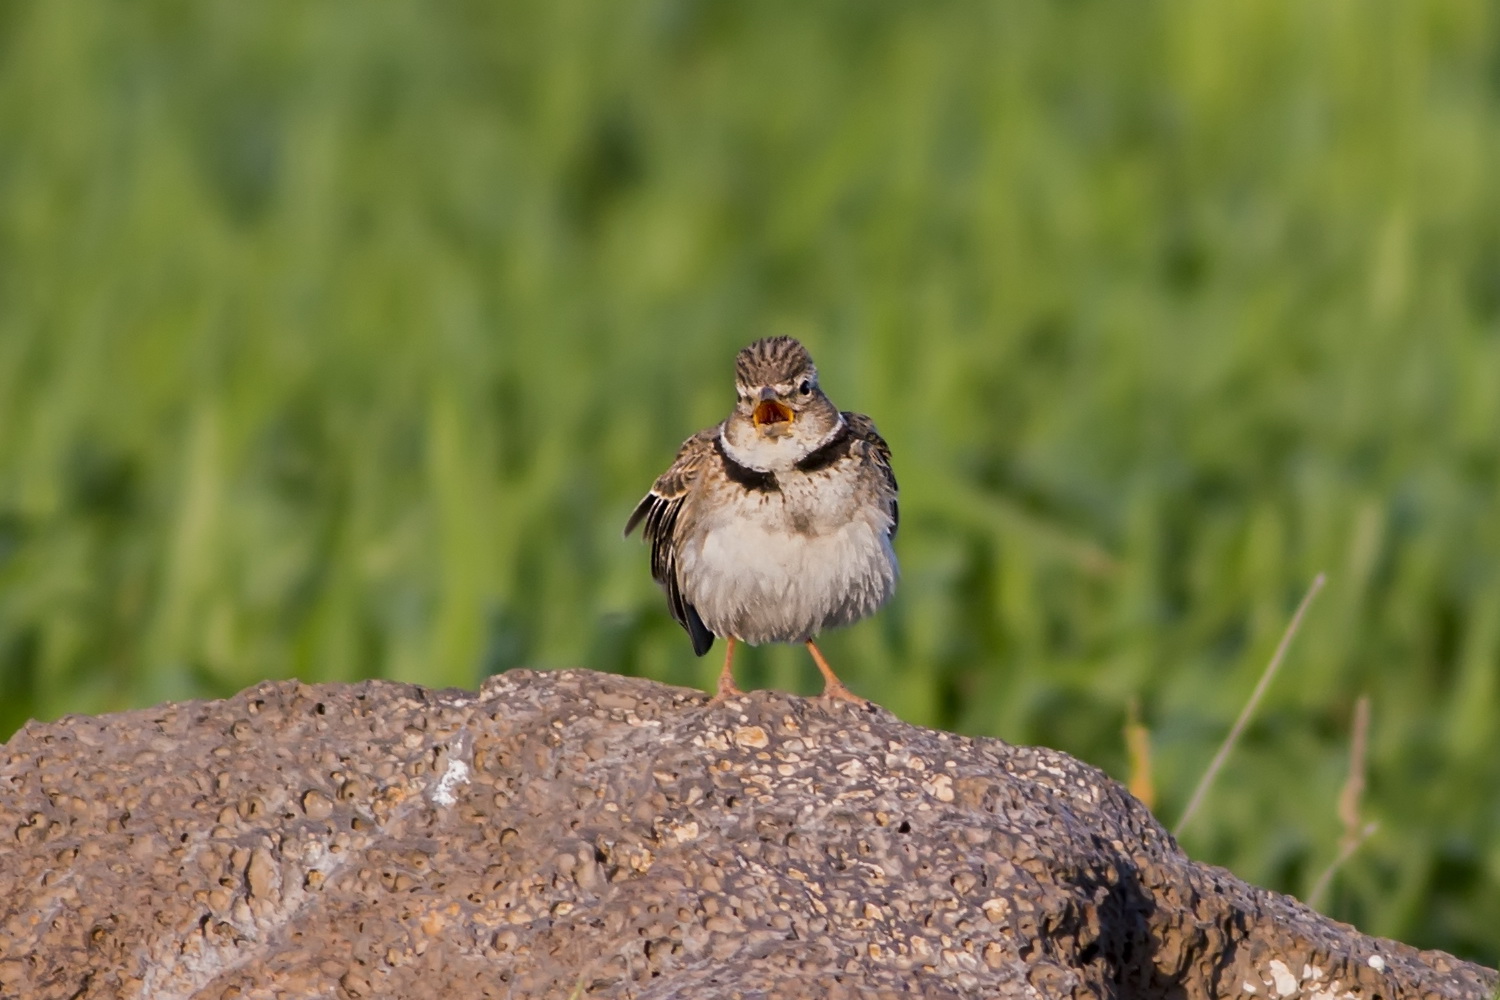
(806, 387)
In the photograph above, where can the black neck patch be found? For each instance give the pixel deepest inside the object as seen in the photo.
(760, 482)
(829, 451)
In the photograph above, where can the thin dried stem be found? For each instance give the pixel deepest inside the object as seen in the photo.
(1354, 785)
(1346, 852)
(1356, 832)
(1239, 724)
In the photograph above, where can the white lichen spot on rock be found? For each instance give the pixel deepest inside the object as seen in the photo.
(1282, 979)
(455, 774)
(1376, 962)
(1314, 988)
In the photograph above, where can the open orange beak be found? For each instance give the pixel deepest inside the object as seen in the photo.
(771, 412)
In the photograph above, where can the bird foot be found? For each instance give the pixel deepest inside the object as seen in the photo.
(837, 692)
(724, 693)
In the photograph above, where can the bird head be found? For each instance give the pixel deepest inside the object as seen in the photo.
(781, 414)
(777, 385)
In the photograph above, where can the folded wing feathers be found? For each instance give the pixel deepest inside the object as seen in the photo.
(660, 509)
(863, 429)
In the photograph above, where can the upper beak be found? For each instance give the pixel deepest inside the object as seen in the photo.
(770, 410)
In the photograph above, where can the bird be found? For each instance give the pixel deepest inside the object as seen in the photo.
(778, 522)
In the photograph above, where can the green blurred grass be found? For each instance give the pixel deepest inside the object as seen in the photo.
(338, 340)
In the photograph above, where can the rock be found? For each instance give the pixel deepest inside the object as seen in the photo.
(577, 834)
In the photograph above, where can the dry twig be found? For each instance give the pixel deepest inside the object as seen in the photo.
(1356, 832)
(1239, 724)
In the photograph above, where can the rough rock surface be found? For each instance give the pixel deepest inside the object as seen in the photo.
(576, 834)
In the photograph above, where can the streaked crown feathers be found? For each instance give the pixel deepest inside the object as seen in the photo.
(773, 361)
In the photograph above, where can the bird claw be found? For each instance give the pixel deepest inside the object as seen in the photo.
(723, 694)
(837, 692)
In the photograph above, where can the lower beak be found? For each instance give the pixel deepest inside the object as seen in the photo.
(771, 412)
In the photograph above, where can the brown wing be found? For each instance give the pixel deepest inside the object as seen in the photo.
(866, 442)
(660, 509)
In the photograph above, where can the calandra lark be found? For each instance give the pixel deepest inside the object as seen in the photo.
(777, 523)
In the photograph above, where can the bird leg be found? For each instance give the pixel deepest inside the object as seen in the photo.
(832, 686)
(727, 688)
